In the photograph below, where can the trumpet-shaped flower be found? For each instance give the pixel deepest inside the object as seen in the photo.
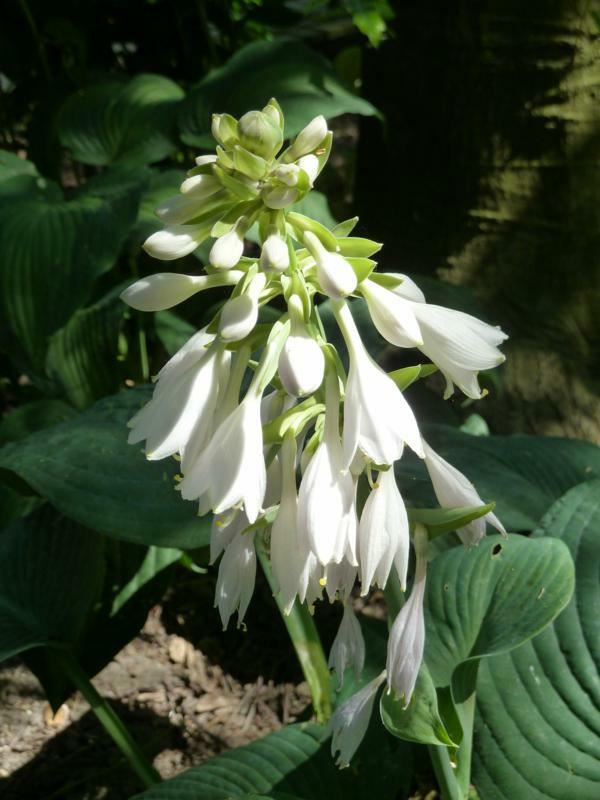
(235, 581)
(383, 534)
(348, 648)
(326, 500)
(231, 468)
(452, 488)
(392, 315)
(406, 641)
(183, 403)
(350, 721)
(377, 418)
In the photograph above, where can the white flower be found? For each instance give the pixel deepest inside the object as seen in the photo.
(326, 500)
(229, 248)
(176, 241)
(231, 468)
(191, 202)
(340, 578)
(301, 364)
(377, 418)
(309, 138)
(348, 648)
(350, 721)
(336, 277)
(406, 288)
(167, 289)
(453, 489)
(224, 528)
(286, 174)
(392, 315)
(274, 256)
(235, 581)
(240, 314)
(406, 641)
(310, 165)
(183, 403)
(383, 534)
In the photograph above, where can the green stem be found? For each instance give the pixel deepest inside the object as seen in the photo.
(108, 719)
(144, 363)
(307, 643)
(466, 714)
(445, 773)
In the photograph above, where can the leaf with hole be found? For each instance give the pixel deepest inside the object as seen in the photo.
(537, 727)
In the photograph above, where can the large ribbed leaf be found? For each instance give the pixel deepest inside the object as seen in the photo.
(82, 357)
(485, 600)
(115, 122)
(86, 469)
(303, 82)
(524, 475)
(294, 761)
(537, 731)
(51, 571)
(51, 252)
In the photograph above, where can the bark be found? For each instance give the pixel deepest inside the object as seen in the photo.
(492, 167)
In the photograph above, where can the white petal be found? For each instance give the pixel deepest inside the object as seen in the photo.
(161, 291)
(351, 720)
(235, 581)
(301, 365)
(175, 241)
(392, 315)
(406, 644)
(310, 137)
(348, 648)
(336, 277)
(227, 250)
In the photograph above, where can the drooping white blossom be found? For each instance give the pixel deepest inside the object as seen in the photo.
(453, 489)
(236, 578)
(350, 721)
(377, 418)
(392, 315)
(348, 648)
(406, 642)
(383, 534)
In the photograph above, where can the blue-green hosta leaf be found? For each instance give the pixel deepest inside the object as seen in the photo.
(115, 122)
(50, 575)
(33, 417)
(50, 255)
(537, 729)
(489, 599)
(294, 762)
(86, 469)
(82, 356)
(303, 82)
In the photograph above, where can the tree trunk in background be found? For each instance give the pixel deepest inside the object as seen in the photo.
(490, 164)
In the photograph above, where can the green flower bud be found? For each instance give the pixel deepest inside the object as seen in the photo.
(259, 134)
(224, 129)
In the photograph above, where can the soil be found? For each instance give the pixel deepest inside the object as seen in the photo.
(180, 705)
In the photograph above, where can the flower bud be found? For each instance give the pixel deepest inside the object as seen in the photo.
(278, 196)
(161, 291)
(259, 134)
(175, 241)
(287, 174)
(228, 249)
(310, 165)
(336, 277)
(309, 137)
(274, 256)
(225, 129)
(301, 365)
(201, 186)
(240, 314)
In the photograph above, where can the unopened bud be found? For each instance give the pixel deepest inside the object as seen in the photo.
(259, 134)
(309, 137)
(225, 129)
(279, 196)
(240, 314)
(228, 249)
(301, 365)
(310, 165)
(336, 277)
(274, 256)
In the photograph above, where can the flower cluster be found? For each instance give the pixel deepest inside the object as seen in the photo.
(273, 434)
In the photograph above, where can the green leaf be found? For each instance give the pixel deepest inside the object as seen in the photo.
(82, 356)
(86, 469)
(33, 417)
(406, 376)
(444, 520)
(46, 248)
(537, 731)
(524, 475)
(294, 762)
(421, 721)
(115, 122)
(489, 599)
(12, 166)
(50, 575)
(303, 82)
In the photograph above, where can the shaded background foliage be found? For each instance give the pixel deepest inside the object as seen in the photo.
(466, 139)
